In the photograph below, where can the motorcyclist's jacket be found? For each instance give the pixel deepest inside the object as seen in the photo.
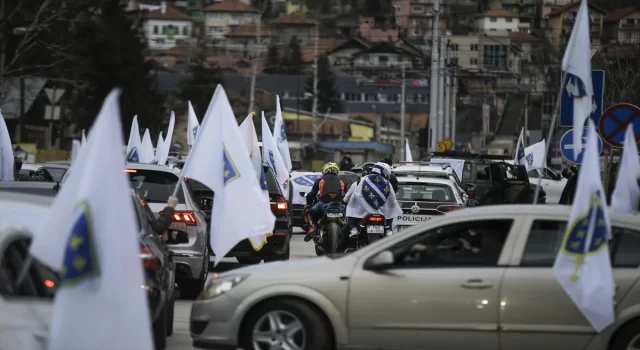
(328, 188)
(373, 195)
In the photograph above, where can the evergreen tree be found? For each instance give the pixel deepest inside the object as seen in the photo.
(108, 52)
(273, 66)
(295, 62)
(327, 93)
(201, 84)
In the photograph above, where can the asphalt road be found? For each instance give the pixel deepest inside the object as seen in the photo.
(180, 340)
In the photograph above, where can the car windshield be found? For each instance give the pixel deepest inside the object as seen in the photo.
(154, 186)
(420, 191)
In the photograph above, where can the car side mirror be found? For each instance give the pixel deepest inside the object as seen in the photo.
(177, 237)
(206, 203)
(303, 194)
(296, 165)
(381, 261)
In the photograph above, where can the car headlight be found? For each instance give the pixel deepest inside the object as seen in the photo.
(218, 286)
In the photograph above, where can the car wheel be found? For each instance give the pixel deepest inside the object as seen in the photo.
(627, 337)
(319, 251)
(279, 257)
(160, 330)
(286, 324)
(170, 313)
(248, 260)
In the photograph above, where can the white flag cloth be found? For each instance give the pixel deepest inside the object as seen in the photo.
(146, 148)
(519, 155)
(192, 126)
(248, 131)
(166, 145)
(302, 182)
(7, 160)
(84, 138)
(456, 164)
(280, 136)
(134, 145)
(91, 238)
(583, 267)
(220, 160)
(272, 156)
(407, 152)
(159, 147)
(534, 156)
(373, 195)
(576, 68)
(75, 150)
(626, 196)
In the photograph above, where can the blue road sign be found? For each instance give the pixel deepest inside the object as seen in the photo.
(615, 121)
(566, 102)
(567, 146)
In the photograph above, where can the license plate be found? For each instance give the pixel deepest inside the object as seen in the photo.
(401, 228)
(375, 229)
(334, 215)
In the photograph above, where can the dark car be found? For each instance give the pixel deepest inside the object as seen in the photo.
(277, 246)
(157, 262)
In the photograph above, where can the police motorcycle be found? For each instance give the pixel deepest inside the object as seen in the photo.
(329, 227)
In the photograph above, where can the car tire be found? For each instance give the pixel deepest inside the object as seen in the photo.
(170, 313)
(319, 251)
(248, 260)
(332, 238)
(160, 330)
(627, 336)
(279, 257)
(316, 331)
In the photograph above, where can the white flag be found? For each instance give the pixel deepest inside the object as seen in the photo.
(75, 150)
(519, 155)
(248, 131)
(192, 126)
(576, 68)
(159, 147)
(626, 196)
(280, 136)
(146, 148)
(133, 147)
(271, 155)
(407, 152)
(220, 160)
(84, 138)
(534, 156)
(91, 238)
(166, 145)
(583, 267)
(7, 160)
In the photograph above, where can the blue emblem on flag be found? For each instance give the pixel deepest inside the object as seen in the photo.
(195, 132)
(272, 160)
(575, 240)
(283, 134)
(530, 159)
(230, 171)
(80, 261)
(520, 151)
(306, 180)
(375, 190)
(132, 156)
(263, 180)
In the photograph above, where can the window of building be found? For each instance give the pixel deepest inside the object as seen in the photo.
(473, 61)
(474, 47)
(185, 31)
(164, 30)
(495, 56)
(493, 19)
(509, 19)
(417, 9)
(454, 61)
(371, 97)
(155, 29)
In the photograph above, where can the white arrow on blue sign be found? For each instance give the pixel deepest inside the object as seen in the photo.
(567, 146)
(570, 90)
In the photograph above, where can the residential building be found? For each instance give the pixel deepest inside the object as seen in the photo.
(498, 20)
(324, 46)
(465, 51)
(243, 39)
(559, 24)
(525, 10)
(166, 27)
(622, 26)
(223, 16)
(287, 26)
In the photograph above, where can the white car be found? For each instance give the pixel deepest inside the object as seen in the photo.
(425, 198)
(424, 170)
(552, 183)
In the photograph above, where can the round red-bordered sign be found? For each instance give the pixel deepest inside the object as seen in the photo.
(614, 122)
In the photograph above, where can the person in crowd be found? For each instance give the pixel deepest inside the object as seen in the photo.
(329, 188)
(571, 173)
(161, 224)
(346, 164)
(392, 178)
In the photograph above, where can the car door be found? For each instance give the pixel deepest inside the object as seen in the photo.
(553, 188)
(435, 293)
(537, 313)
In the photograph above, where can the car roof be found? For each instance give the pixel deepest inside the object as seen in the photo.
(153, 167)
(56, 165)
(433, 180)
(421, 169)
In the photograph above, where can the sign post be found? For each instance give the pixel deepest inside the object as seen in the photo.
(570, 90)
(567, 146)
(615, 121)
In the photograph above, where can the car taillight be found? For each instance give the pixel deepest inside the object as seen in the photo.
(448, 208)
(373, 219)
(149, 261)
(184, 217)
(279, 205)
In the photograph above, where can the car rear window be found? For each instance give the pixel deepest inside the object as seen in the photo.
(56, 173)
(272, 183)
(420, 191)
(154, 186)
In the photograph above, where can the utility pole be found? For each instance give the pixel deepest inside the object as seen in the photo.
(447, 94)
(441, 74)
(254, 70)
(433, 83)
(314, 108)
(526, 120)
(403, 156)
(453, 108)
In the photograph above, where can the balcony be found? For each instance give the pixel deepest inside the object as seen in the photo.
(630, 26)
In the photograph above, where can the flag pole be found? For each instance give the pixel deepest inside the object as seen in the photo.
(552, 126)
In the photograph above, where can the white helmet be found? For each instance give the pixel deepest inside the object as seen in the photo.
(383, 169)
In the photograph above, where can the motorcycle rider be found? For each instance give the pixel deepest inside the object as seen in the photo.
(329, 188)
(372, 195)
(392, 179)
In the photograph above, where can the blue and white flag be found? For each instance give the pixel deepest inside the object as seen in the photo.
(280, 136)
(248, 131)
(192, 126)
(373, 195)
(7, 160)
(626, 196)
(583, 267)
(518, 158)
(220, 160)
(576, 69)
(535, 157)
(133, 147)
(302, 182)
(91, 238)
(272, 156)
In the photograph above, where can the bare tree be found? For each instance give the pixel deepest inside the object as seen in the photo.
(621, 64)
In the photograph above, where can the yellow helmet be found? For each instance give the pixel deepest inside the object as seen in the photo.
(330, 168)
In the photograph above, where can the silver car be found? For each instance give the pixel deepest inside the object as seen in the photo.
(155, 183)
(477, 278)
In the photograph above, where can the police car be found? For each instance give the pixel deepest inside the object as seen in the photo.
(425, 198)
(433, 170)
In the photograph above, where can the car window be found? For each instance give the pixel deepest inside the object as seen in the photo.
(483, 172)
(41, 282)
(533, 173)
(56, 173)
(272, 182)
(154, 186)
(626, 245)
(466, 171)
(471, 244)
(420, 191)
